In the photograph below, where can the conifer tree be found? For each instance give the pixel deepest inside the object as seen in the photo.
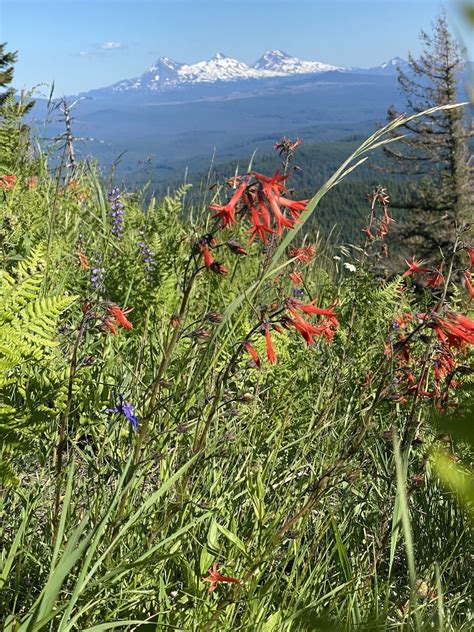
(433, 155)
(6, 71)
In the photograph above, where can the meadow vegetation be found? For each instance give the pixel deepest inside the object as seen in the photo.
(212, 418)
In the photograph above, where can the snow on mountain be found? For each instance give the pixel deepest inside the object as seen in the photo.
(218, 68)
(167, 73)
(278, 63)
(389, 67)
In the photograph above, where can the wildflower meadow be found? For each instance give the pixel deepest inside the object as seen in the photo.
(213, 418)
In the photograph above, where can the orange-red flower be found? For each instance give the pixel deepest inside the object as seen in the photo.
(7, 182)
(214, 578)
(296, 278)
(236, 248)
(271, 355)
(304, 254)
(415, 267)
(119, 315)
(273, 184)
(455, 329)
(467, 281)
(295, 206)
(370, 235)
(253, 353)
(435, 280)
(207, 255)
(327, 327)
(470, 252)
(83, 261)
(226, 212)
(218, 268)
(109, 324)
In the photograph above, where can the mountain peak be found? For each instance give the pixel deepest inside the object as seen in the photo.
(280, 63)
(219, 56)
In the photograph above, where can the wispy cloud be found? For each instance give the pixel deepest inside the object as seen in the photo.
(111, 45)
(99, 50)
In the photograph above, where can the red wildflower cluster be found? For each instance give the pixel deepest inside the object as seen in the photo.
(214, 578)
(326, 327)
(7, 182)
(117, 317)
(378, 227)
(304, 254)
(286, 147)
(263, 201)
(454, 333)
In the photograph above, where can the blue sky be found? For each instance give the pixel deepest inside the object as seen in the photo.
(82, 44)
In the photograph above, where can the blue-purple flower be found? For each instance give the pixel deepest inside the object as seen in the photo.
(117, 212)
(97, 273)
(127, 410)
(148, 256)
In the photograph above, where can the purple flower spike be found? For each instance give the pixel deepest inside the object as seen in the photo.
(117, 212)
(126, 409)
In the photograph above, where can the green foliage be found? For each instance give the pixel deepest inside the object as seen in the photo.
(28, 342)
(307, 480)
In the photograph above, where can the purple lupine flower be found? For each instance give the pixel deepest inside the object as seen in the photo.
(126, 409)
(117, 212)
(297, 291)
(97, 273)
(148, 256)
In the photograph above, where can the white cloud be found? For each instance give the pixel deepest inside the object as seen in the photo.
(111, 45)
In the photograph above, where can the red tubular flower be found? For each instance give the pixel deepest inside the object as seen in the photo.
(307, 330)
(260, 221)
(304, 254)
(435, 280)
(470, 252)
(296, 278)
(274, 184)
(214, 578)
(236, 248)
(310, 308)
(383, 230)
(83, 261)
(109, 324)
(253, 353)
(207, 255)
(271, 355)
(327, 327)
(415, 267)
(7, 182)
(295, 206)
(369, 233)
(467, 281)
(218, 268)
(282, 221)
(455, 329)
(120, 316)
(226, 212)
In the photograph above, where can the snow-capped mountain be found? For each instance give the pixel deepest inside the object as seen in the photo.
(390, 67)
(279, 63)
(167, 73)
